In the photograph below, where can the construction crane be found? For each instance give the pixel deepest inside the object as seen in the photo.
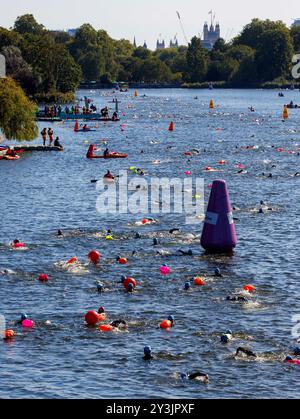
(182, 27)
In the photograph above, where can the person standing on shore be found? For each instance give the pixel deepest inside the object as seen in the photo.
(50, 133)
(44, 136)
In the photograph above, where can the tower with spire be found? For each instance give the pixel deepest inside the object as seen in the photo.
(211, 34)
(134, 43)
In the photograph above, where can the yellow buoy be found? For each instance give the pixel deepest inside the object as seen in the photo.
(211, 105)
(285, 112)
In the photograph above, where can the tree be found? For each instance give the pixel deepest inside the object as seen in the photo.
(295, 33)
(274, 54)
(252, 33)
(197, 61)
(28, 24)
(19, 69)
(8, 38)
(16, 112)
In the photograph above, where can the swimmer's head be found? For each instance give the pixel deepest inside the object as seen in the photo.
(100, 288)
(101, 310)
(130, 287)
(225, 339)
(190, 252)
(288, 359)
(184, 376)
(155, 242)
(171, 319)
(229, 332)
(123, 278)
(16, 241)
(147, 350)
(187, 286)
(24, 317)
(218, 272)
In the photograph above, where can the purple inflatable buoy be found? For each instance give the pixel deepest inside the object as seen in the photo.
(219, 234)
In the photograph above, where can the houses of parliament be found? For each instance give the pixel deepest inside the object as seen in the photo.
(210, 36)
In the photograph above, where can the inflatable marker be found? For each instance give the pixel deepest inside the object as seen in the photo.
(219, 234)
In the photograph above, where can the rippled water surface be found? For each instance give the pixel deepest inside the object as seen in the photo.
(43, 192)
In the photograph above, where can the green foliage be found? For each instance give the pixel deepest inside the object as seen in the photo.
(16, 112)
(27, 24)
(197, 61)
(48, 63)
(295, 33)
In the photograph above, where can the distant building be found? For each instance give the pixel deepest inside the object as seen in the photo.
(174, 43)
(296, 23)
(145, 45)
(134, 43)
(210, 35)
(160, 44)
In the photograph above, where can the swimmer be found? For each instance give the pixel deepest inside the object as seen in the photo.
(237, 298)
(218, 273)
(245, 351)
(148, 353)
(227, 337)
(119, 324)
(100, 288)
(174, 230)
(187, 286)
(197, 376)
(130, 288)
(186, 253)
(137, 235)
(60, 233)
(7, 272)
(155, 242)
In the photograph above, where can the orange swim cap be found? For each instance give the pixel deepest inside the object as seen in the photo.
(249, 288)
(106, 328)
(199, 282)
(166, 324)
(9, 334)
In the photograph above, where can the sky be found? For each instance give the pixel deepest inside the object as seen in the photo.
(146, 20)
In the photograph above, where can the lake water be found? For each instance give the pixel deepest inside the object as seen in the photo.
(44, 192)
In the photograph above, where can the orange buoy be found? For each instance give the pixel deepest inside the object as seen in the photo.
(122, 261)
(92, 318)
(76, 128)
(9, 334)
(211, 104)
(171, 126)
(199, 282)
(106, 328)
(249, 288)
(94, 257)
(128, 281)
(166, 324)
(222, 162)
(285, 112)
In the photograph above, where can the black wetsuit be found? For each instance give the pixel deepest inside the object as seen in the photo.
(246, 352)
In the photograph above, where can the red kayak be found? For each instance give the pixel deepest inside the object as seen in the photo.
(112, 155)
(9, 157)
(109, 156)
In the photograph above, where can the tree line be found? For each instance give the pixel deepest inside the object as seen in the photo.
(53, 63)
